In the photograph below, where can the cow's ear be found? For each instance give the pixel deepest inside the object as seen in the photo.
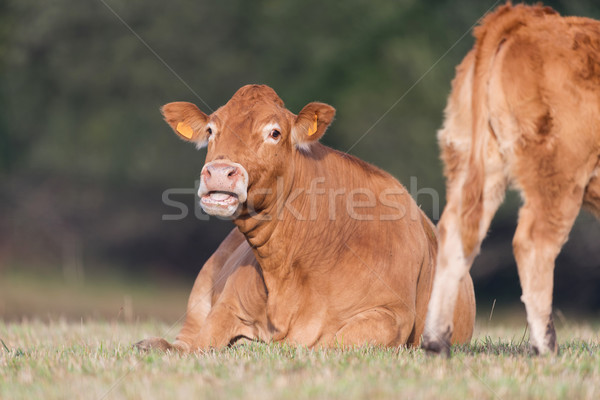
(188, 122)
(311, 123)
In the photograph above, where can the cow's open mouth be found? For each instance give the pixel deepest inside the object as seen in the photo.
(220, 198)
(220, 203)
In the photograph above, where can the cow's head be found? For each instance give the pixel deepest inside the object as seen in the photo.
(251, 141)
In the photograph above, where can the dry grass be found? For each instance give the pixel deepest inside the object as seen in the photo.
(59, 359)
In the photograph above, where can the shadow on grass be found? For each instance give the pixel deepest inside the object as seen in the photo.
(488, 346)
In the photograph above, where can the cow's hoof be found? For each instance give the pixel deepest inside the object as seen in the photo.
(437, 347)
(154, 343)
(437, 343)
(547, 351)
(549, 345)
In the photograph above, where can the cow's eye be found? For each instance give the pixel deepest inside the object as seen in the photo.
(275, 134)
(209, 131)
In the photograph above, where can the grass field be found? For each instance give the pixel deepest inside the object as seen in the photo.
(94, 360)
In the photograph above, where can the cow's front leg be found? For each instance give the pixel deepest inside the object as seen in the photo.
(224, 326)
(207, 288)
(198, 308)
(199, 305)
(240, 311)
(159, 344)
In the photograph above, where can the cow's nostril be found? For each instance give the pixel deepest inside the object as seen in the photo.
(220, 171)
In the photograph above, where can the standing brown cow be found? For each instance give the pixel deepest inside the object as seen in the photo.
(525, 111)
(328, 250)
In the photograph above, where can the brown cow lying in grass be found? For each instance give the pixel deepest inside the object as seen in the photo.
(328, 250)
(524, 110)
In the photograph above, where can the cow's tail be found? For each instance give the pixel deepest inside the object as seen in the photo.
(495, 28)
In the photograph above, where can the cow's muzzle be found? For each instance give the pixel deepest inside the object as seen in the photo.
(223, 187)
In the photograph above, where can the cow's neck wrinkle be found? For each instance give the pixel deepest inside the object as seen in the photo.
(260, 227)
(288, 234)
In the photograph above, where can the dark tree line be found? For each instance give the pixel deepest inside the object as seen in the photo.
(85, 157)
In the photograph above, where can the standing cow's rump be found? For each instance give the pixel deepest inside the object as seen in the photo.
(524, 111)
(328, 250)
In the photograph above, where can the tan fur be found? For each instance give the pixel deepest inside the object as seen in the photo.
(523, 111)
(291, 271)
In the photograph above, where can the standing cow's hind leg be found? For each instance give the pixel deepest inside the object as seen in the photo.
(452, 264)
(542, 230)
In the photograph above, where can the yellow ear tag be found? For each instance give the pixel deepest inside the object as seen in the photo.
(185, 130)
(313, 129)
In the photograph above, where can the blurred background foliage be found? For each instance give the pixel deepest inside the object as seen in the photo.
(85, 156)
